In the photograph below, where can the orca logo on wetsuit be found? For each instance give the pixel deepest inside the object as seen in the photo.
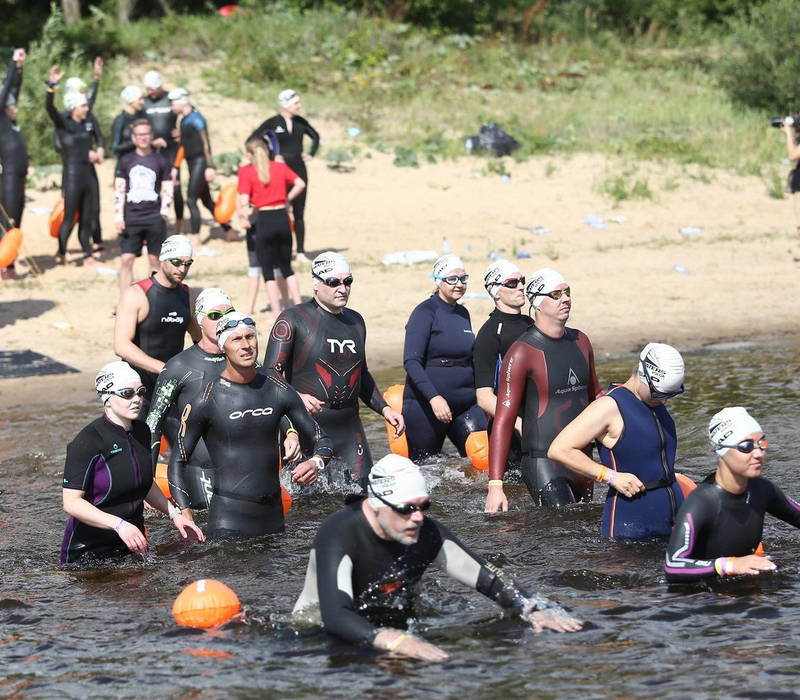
(342, 344)
(172, 318)
(252, 411)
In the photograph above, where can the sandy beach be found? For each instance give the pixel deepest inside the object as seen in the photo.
(732, 277)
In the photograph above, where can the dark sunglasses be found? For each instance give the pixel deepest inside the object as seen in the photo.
(655, 393)
(747, 446)
(453, 280)
(513, 283)
(129, 393)
(247, 321)
(215, 315)
(403, 508)
(332, 282)
(177, 262)
(556, 294)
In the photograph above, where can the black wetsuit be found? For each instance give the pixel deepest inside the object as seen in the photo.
(121, 133)
(162, 332)
(163, 120)
(240, 424)
(323, 354)
(197, 151)
(291, 148)
(548, 381)
(181, 381)
(13, 151)
(79, 180)
(362, 582)
(112, 466)
(713, 522)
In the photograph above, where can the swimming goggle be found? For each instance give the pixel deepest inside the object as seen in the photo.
(128, 393)
(247, 321)
(177, 262)
(402, 508)
(747, 446)
(655, 393)
(556, 294)
(333, 282)
(452, 280)
(512, 283)
(215, 314)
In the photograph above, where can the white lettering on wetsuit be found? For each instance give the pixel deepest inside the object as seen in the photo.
(341, 344)
(172, 318)
(252, 411)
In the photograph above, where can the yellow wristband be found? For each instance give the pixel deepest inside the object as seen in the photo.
(396, 642)
(495, 482)
(601, 476)
(291, 431)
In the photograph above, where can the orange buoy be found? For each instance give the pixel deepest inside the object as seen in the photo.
(161, 480)
(394, 397)
(228, 10)
(205, 603)
(286, 499)
(226, 203)
(9, 246)
(477, 447)
(686, 483)
(163, 446)
(57, 217)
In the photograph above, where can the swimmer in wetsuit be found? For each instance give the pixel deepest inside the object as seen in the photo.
(439, 395)
(154, 315)
(319, 348)
(107, 475)
(13, 149)
(122, 128)
(238, 416)
(637, 442)
(290, 129)
(506, 285)
(720, 523)
(548, 375)
(367, 559)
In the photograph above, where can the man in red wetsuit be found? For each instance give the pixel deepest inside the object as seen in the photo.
(547, 377)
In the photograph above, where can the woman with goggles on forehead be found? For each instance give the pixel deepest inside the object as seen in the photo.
(637, 444)
(719, 526)
(439, 396)
(108, 477)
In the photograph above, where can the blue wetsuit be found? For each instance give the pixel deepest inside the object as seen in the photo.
(437, 357)
(646, 448)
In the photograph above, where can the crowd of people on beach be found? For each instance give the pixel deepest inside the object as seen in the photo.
(519, 398)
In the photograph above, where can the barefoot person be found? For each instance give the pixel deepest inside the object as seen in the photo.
(367, 560)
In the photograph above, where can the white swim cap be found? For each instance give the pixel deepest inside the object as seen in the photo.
(329, 263)
(176, 246)
(113, 377)
(208, 299)
(730, 426)
(179, 94)
(228, 324)
(130, 94)
(499, 271)
(74, 84)
(395, 479)
(152, 80)
(543, 281)
(288, 97)
(73, 100)
(446, 264)
(661, 368)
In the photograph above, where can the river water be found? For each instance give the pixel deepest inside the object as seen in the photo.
(109, 632)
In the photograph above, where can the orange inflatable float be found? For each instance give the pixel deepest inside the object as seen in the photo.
(394, 397)
(226, 203)
(477, 446)
(9, 246)
(205, 603)
(57, 217)
(161, 480)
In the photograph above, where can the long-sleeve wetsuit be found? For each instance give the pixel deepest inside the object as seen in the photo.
(290, 141)
(324, 355)
(362, 582)
(716, 523)
(13, 150)
(197, 151)
(240, 424)
(548, 381)
(121, 133)
(437, 357)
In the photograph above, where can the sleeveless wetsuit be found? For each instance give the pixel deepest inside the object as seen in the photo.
(163, 120)
(240, 424)
(324, 355)
(713, 522)
(291, 148)
(646, 449)
(13, 151)
(197, 151)
(112, 466)
(183, 378)
(362, 582)
(437, 357)
(143, 176)
(162, 332)
(551, 380)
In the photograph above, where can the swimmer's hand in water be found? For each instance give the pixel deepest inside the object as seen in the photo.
(553, 620)
(395, 419)
(132, 536)
(751, 565)
(401, 643)
(306, 472)
(291, 448)
(183, 524)
(496, 499)
(312, 403)
(441, 409)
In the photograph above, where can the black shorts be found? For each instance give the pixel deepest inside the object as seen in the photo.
(151, 233)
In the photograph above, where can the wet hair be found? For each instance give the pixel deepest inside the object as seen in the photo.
(262, 155)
